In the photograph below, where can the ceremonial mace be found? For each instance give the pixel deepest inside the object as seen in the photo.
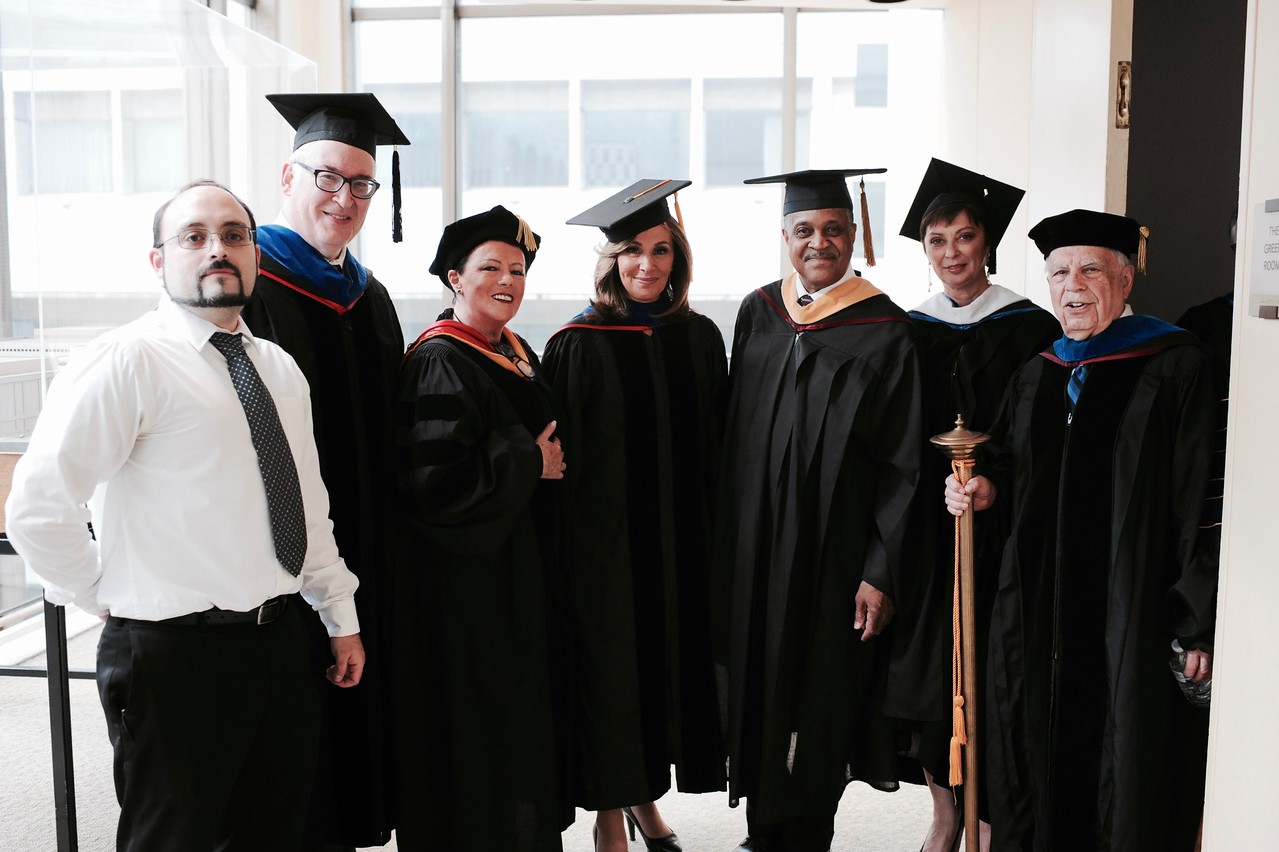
(959, 445)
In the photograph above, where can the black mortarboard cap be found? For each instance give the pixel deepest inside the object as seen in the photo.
(945, 183)
(816, 189)
(640, 206)
(1091, 228)
(357, 119)
(819, 189)
(462, 236)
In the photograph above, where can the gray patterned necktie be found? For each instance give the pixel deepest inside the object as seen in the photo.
(275, 458)
(805, 299)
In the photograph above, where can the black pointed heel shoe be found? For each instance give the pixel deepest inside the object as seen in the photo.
(669, 843)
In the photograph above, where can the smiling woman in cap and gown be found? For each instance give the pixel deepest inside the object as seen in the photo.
(972, 336)
(639, 375)
(475, 738)
(335, 318)
(821, 458)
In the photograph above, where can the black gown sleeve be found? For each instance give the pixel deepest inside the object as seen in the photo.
(470, 467)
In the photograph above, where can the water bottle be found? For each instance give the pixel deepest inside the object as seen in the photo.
(1198, 693)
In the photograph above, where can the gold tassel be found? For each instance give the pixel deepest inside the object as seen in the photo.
(679, 217)
(1143, 235)
(868, 243)
(524, 234)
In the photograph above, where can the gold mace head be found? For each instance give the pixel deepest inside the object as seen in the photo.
(959, 443)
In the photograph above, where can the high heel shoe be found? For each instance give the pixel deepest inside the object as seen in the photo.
(669, 843)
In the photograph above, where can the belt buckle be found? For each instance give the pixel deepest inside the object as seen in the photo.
(262, 610)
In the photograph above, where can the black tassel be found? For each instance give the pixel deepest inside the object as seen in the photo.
(397, 226)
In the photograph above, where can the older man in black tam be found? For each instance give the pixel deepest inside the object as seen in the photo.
(821, 458)
(335, 318)
(1102, 450)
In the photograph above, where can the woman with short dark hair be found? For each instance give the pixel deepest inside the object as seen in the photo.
(971, 337)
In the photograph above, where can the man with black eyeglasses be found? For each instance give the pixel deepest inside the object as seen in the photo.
(187, 442)
(337, 320)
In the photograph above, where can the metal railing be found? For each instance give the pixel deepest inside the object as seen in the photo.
(59, 675)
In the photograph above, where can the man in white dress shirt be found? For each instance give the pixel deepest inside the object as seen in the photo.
(202, 664)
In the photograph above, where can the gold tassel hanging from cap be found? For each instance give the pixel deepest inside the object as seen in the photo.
(868, 243)
(524, 235)
(1143, 234)
(679, 216)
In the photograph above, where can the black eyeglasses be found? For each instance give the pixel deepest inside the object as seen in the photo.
(509, 352)
(330, 181)
(195, 239)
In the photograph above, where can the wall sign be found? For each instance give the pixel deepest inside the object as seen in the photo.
(1264, 287)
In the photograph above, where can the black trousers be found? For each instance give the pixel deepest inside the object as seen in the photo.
(215, 731)
(809, 833)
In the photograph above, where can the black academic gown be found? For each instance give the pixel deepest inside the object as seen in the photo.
(964, 371)
(351, 359)
(475, 743)
(1090, 744)
(821, 461)
(643, 423)
(1213, 323)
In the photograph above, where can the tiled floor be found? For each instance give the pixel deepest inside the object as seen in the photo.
(868, 821)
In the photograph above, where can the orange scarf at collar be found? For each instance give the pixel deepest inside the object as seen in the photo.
(843, 295)
(465, 334)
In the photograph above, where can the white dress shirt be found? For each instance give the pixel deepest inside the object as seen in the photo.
(145, 427)
(800, 291)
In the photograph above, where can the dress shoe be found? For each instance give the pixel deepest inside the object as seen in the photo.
(669, 843)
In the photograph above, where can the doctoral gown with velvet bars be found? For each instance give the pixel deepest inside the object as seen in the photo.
(964, 370)
(643, 421)
(1090, 743)
(821, 461)
(475, 745)
(350, 356)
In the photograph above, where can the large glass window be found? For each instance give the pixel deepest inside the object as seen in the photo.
(744, 128)
(153, 139)
(872, 75)
(620, 120)
(399, 61)
(63, 141)
(515, 133)
(876, 104)
(550, 132)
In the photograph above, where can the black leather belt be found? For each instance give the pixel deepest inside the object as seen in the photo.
(265, 614)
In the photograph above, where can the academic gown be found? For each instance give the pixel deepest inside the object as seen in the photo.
(821, 461)
(475, 745)
(1090, 743)
(1213, 323)
(350, 355)
(966, 361)
(643, 423)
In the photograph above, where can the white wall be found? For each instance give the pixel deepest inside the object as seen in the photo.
(1242, 786)
(1029, 90)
